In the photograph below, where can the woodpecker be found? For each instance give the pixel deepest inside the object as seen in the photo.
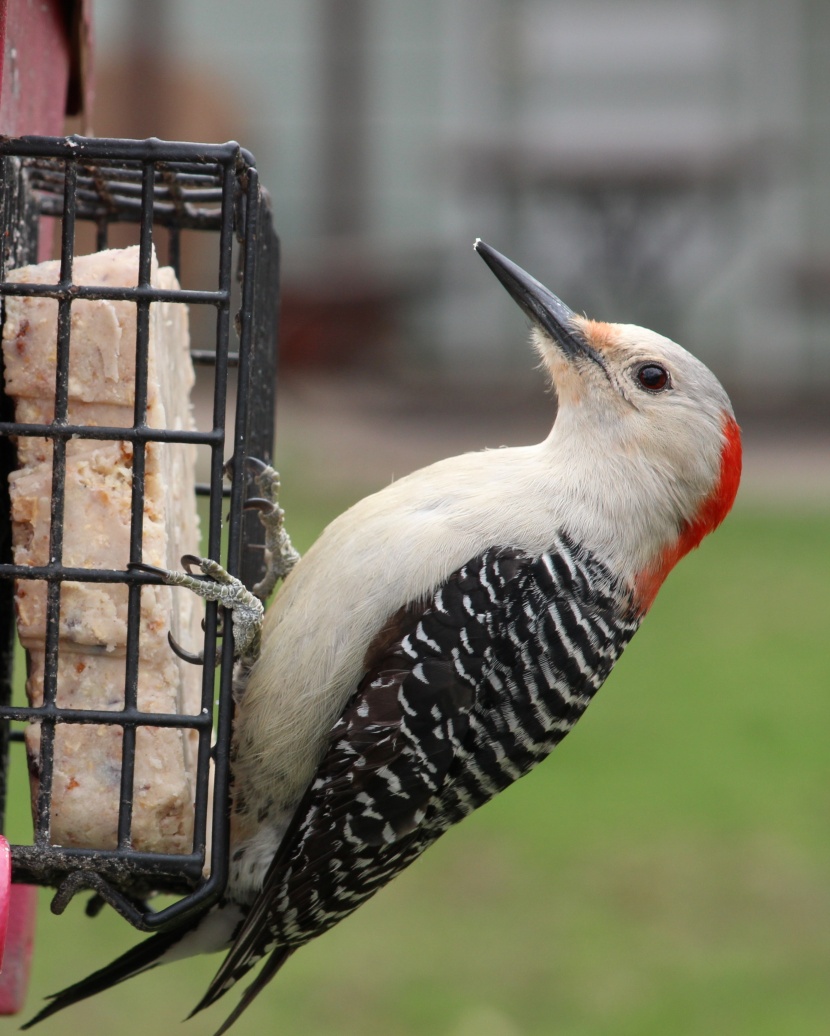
(444, 635)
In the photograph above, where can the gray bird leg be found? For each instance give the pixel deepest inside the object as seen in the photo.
(280, 555)
(246, 608)
(218, 585)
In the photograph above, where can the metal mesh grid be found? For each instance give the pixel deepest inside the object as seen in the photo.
(154, 184)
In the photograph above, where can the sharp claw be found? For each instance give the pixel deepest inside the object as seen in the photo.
(185, 656)
(191, 559)
(140, 566)
(259, 503)
(280, 556)
(255, 465)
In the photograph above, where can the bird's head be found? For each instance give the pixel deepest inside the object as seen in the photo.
(654, 428)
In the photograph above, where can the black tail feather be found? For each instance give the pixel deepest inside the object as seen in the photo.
(216, 990)
(271, 967)
(140, 958)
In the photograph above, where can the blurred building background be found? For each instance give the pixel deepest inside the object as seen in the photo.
(658, 162)
(655, 161)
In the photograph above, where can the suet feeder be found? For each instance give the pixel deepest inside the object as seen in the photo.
(167, 194)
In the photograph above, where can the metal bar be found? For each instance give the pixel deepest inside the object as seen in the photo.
(113, 149)
(142, 349)
(203, 489)
(101, 233)
(53, 589)
(208, 357)
(99, 192)
(260, 313)
(18, 245)
(116, 433)
(126, 854)
(123, 717)
(221, 757)
(128, 170)
(130, 577)
(142, 293)
(129, 211)
(174, 249)
(100, 180)
(246, 342)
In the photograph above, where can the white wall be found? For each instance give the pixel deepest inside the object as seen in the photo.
(490, 116)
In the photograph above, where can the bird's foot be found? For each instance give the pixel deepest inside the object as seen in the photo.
(215, 584)
(280, 555)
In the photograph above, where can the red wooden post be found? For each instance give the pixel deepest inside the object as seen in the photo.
(44, 76)
(17, 935)
(44, 64)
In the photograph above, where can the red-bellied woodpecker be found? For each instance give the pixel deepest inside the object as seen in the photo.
(444, 634)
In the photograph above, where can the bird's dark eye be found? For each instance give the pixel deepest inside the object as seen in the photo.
(653, 377)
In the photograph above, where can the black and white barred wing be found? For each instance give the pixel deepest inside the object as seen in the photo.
(461, 696)
(390, 750)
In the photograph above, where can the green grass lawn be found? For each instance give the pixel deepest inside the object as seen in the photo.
(666, 872)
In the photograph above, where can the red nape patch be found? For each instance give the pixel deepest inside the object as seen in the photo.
(712, 512)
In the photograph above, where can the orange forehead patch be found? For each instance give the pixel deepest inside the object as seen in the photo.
(600, 336)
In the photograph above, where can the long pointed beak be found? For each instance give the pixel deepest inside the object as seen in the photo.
(543, 307)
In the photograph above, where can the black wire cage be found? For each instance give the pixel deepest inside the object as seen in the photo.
(180, 199)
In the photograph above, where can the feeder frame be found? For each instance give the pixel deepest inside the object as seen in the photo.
(163, 188)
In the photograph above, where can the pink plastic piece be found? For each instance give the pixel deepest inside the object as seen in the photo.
(17, 934)
(5, 893)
